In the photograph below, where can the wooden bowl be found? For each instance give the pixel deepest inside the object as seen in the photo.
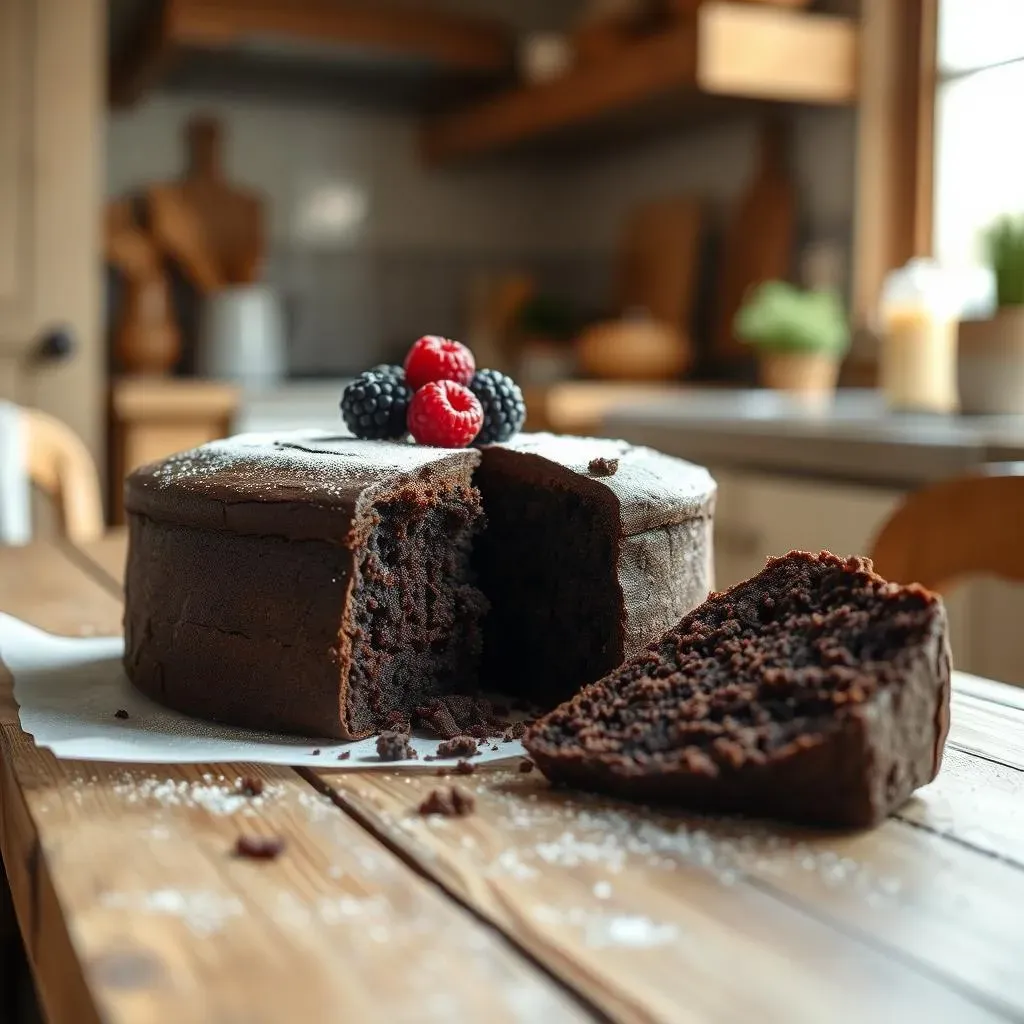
(633, 350)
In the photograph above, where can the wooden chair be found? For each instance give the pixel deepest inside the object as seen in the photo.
(967, 526)
(60, 465)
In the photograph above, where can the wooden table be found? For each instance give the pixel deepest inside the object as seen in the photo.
(538, 908)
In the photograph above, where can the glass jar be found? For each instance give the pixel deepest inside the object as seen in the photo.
(919, 313)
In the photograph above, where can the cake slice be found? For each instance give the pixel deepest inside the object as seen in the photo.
(814, 692)
(313, 585)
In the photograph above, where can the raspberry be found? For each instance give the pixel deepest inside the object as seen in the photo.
(433, 358)
(375, 405)
(503, 405)
(445, 414)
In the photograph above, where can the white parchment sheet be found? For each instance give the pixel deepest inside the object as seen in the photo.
(69, 690)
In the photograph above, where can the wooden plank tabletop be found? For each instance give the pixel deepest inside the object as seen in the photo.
(541, 906)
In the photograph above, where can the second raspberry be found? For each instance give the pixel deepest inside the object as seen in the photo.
(445, 414)
(433, 359)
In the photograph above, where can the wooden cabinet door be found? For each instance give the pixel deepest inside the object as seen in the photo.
(51, 132)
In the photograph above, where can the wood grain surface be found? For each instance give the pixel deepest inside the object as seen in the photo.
(133, 906)
(540, 906)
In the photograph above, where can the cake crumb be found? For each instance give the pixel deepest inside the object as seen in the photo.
(526, 765)
(259, 847)
(458, 746)
(494, 746)
(514, 732)
(121, 713)
(465, 767)
(604, 467)
(250, 785)
(316, 753)
(394, 746)
(344, 755)
(396, 721)
(450, 801)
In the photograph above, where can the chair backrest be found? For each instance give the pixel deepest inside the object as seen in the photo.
(60, 465)
(967, 526)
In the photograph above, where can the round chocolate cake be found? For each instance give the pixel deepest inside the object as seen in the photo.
(317, 584)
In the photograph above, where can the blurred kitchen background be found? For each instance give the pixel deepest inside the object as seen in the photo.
(779, 237)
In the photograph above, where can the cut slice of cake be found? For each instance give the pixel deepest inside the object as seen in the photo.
(815, 692)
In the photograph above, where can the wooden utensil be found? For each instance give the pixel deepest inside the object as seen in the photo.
(658, 263)
(759, 239)
(231, 217)
(176, 228)
(146, 337)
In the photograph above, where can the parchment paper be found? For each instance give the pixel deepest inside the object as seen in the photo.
(69, 690)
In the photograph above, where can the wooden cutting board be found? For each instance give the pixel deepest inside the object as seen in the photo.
(759, 239)
(232, 218)
(176, 228)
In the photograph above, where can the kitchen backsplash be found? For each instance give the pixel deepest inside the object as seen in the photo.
(369, 247)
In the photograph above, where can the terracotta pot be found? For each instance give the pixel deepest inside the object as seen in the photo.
(991, 363)
(808, 372)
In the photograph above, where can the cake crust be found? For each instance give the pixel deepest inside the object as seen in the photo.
(801, 728)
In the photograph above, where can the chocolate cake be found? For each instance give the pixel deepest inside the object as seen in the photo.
(815, 692)
(322, 585)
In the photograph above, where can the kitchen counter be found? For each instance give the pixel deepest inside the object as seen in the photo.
(852, 438)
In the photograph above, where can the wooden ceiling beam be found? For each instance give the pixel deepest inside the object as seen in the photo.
(452, 41)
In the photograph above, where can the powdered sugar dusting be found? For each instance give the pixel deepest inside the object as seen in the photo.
(595, 842)
(653, 489)
(204, 913)
(217, 795)
(315, 462)
(604, 930)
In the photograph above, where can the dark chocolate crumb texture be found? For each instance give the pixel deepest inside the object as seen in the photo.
(815, 692)
(330, 586)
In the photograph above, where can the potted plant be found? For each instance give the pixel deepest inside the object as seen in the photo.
(800, 336)
(991, 350)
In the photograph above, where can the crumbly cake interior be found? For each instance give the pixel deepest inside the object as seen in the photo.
(775, 661)
(546, 561)
(414, 625)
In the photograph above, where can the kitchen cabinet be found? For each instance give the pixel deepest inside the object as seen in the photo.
(760, 515)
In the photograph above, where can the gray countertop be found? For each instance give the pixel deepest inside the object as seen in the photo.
(853, 437)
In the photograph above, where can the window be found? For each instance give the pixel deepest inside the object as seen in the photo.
(979, 143)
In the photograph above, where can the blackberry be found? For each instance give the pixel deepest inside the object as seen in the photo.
(374, 406)
(388, 370)
(502, 401)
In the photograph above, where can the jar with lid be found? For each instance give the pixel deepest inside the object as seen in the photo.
(920, 308)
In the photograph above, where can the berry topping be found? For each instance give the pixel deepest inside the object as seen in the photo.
(388, 370)
(445, 414)
(433, 358)
(503, 405)
(376, 404)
